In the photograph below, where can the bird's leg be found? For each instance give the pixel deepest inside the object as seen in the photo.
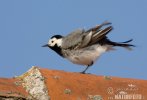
(83, 72)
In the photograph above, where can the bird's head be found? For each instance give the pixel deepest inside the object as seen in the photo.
(54, 41)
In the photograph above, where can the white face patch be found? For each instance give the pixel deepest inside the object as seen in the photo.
(52, 42)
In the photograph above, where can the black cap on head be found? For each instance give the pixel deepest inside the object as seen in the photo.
(57, 36)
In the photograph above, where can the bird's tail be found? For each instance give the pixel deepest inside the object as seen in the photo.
(123, 44)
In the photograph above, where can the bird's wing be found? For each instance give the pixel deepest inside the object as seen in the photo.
(95, 35)
(73, 39)
(98, 27)
(80, 38)
(100, 34)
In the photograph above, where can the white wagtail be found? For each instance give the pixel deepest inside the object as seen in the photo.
(84, 47)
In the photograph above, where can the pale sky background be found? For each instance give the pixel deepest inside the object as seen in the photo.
(26, 25)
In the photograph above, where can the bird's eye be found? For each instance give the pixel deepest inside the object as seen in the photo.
(52, 41)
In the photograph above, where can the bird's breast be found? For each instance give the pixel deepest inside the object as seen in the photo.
(84, 56)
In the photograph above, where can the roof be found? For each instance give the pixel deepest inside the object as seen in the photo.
(45, 84)
(10, 87)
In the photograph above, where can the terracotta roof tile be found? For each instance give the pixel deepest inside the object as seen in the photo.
(10, 87)
(45, 84)
(75, 86)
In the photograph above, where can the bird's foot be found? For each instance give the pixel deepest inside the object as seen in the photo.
(84, 72)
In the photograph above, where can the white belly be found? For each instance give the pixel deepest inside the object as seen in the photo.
(86, 55)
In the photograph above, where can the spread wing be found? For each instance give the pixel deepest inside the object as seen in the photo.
(71, 40)
(80, 38)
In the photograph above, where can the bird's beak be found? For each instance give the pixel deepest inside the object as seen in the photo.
(46, 45)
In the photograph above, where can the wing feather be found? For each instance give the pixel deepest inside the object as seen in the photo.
(100, 34)
(73, 39)
(96, 28)
(81, 38)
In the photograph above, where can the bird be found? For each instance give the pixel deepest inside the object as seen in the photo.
(84, 47)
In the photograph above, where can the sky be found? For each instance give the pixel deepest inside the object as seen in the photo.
(26, 25)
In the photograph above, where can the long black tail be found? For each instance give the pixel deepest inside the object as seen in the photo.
(123, 44)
